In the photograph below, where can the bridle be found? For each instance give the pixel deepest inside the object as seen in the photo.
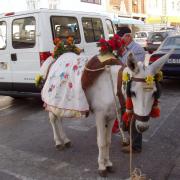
(156, 96)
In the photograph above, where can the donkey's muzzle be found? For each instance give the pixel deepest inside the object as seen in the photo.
(141, 128)
(141, 123)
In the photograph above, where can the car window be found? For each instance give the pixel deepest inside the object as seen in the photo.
(64, 26)
(93, 29)
(171, 42)
(158, 36)
(110, 28)
(3, 34)
(140, 35)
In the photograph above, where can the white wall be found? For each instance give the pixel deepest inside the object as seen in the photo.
(173, 11)
(154, 7)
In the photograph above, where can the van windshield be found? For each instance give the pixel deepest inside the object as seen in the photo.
(64, 26)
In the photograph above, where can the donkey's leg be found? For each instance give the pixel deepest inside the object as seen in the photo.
(58, 142)
(100, 124)
(63, 136)
(108, 163)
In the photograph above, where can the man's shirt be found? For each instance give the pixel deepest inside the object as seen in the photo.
(136, 49)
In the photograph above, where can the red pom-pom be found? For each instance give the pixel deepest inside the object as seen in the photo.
(155, 112)
(115, 128)
(129, 104)
(126, 118)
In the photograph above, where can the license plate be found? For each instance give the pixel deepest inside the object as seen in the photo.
(173, 61)
(157, 42)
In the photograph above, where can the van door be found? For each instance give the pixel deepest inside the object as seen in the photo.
(24, 52)
(5, 63)
(93, 31)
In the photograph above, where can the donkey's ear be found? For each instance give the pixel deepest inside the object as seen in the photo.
(132, 63)
(157, 65)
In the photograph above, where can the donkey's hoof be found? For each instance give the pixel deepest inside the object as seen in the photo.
(68, 144)
(59, 147)
(102, 173)
(110, 169)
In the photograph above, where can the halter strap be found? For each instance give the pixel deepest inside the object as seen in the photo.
(138, 79)
(119, 91)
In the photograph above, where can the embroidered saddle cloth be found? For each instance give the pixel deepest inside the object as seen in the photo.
(63, 89)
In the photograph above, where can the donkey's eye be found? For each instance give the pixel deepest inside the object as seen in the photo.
(133, 94)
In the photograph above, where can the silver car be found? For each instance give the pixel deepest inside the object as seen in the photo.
(140, 37)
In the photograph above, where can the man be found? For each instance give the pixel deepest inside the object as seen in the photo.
(131, 45)
(139, 53)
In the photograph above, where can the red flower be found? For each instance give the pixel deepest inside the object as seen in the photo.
(102, 41)
(75, 67)
(104, 48)
(112, 44)
(70, 85)
(66, 76)
(67, 64)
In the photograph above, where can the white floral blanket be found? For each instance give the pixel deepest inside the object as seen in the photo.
(62, 88)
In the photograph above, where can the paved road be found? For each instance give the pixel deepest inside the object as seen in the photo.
(27, 149)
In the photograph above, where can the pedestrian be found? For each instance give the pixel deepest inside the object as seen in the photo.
(139, 54)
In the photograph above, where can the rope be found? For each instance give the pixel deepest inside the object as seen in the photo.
(94, 70)
(136, 174)
(108, 69)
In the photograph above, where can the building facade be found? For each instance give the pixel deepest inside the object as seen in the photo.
(128, 8)
(77, 5)
(164, 11)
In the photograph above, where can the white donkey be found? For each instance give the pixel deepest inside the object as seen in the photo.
(101, 100)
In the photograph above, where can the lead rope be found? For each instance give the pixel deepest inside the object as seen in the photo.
(136, 174)
(108, 69)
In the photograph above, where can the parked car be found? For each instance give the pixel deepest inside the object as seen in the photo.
(140, 37)
(172, 66)
(155, 39)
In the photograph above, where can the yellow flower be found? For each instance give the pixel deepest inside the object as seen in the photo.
(125, 77)
(159, 76)
(149, 79)
(38, 79)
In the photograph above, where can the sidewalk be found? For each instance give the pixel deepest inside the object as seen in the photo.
(5, 101)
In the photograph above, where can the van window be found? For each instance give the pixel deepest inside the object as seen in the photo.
(110, 27)
(140, 35)
(93, 29)
(64, 26)
(3, 37)
(23, 33)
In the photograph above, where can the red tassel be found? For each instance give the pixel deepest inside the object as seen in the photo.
(129, 104)
(155, 112)
(126, 118)
(115, 128)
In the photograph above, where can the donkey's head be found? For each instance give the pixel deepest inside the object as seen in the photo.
(142, 88)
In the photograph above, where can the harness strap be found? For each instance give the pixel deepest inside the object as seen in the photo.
(119, 90)
(49, 67)
(141, 118)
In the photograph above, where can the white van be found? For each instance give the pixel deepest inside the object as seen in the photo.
(26, 41)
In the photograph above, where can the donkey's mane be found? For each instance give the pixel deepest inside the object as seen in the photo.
(89, 77)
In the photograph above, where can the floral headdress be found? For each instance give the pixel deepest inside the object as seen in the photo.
(113, 45)
(65, 46)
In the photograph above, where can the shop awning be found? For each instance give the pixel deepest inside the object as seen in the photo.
(159, 19)
(153, 20)
(123, 20)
